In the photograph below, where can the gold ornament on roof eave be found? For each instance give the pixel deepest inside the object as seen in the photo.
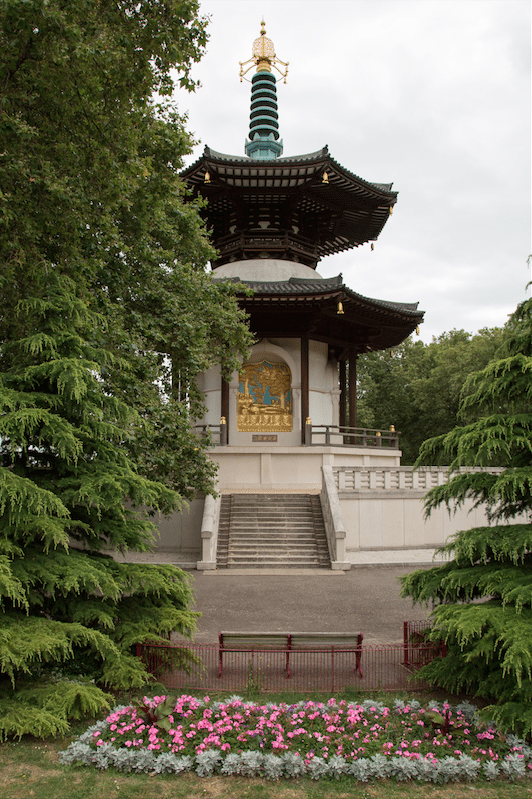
(263, 57)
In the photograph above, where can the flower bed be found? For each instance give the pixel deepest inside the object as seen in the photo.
(364, 741)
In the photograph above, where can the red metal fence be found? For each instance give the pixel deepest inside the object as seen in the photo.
(386, 667)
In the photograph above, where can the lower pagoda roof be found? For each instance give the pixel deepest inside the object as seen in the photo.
(310, 307)
(299, 209)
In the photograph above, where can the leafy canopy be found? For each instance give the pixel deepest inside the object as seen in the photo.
(417, 387)
(106, 318)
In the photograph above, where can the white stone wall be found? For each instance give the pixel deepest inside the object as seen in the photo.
(272, 468)
(383, 508)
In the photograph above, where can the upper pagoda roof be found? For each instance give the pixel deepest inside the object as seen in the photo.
(319, 157)
(300, 208)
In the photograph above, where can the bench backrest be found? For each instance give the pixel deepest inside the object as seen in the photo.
(284, 640)
(325, 640)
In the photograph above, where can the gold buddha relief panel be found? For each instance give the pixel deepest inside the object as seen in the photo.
(264, 401)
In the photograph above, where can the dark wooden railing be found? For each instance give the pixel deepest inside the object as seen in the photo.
(341, 436)
(317, 435)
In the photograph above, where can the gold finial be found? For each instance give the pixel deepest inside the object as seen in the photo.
(263, 57)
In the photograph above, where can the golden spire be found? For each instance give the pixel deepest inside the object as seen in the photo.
(263, 57)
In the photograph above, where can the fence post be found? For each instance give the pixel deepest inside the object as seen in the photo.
(405, 642)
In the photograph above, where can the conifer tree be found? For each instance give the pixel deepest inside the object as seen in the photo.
(106, 317)
(484, 592)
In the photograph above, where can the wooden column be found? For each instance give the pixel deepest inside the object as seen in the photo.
(352, 388)
(304, 386)
(225, 405)
(343, 393)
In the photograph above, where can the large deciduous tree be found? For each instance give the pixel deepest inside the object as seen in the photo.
(106, 318)
(484, 592)
(417, 387)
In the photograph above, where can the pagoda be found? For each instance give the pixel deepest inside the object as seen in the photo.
(272, 219)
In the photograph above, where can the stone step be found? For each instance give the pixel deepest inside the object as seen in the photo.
(272, 516)
(273, 537)
(251, 558)
(281, 543)
(266, 508)
(246, 546)
(271, 531)
(264, 564)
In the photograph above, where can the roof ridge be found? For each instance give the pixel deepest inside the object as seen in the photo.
(209, 152)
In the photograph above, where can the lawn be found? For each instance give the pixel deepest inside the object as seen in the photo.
(31, 768)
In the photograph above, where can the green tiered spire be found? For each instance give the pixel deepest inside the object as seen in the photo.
(264, 143)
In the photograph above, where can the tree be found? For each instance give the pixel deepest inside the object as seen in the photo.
(417, 387)
(484, 592)
(107, 316)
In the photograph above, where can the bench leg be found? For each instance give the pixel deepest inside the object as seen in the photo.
(220, 664)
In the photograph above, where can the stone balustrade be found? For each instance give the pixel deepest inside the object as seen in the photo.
(394, 478)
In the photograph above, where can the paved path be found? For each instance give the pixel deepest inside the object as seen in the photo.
(364, 599)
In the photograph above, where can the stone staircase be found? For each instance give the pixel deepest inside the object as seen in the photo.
(265, 531)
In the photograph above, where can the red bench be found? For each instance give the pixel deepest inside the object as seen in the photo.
(291, 642)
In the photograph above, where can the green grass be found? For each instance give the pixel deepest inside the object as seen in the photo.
(30, 770)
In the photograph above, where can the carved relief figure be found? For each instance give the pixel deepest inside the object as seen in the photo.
(264, 398)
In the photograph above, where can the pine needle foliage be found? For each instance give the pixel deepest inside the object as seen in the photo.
(107, 316)
(69, 490)
(483, 593)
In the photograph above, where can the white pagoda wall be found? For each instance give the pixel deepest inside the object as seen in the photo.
(323, 389)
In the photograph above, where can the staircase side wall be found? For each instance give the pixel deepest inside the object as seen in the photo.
(180, 533)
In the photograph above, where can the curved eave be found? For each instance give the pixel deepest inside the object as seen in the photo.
(297, 307)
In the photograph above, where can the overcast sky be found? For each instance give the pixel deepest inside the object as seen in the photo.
(432, 95)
